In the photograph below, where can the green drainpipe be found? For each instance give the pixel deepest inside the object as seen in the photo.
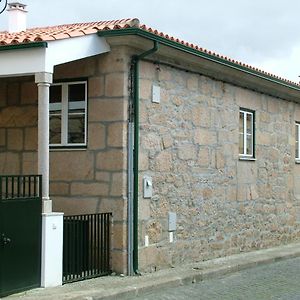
(135, 62)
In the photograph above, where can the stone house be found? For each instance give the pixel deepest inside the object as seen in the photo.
(195, 154)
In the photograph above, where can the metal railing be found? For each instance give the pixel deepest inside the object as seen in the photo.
(86, 250)
(20, 186)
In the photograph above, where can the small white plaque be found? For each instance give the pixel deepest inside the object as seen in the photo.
(155, 93)
(146, 240)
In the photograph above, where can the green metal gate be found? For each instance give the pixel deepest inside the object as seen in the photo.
(20, 233)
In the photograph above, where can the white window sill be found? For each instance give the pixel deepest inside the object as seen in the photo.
(245, 158)
(297, 160)
(68, 148)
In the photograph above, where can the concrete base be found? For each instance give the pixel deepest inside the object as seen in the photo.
(52, 249)
(47, 206)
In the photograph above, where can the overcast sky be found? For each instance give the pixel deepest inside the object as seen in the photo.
(263, 33)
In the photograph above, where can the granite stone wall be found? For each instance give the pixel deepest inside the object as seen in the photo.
(18, 126)
(189, 146)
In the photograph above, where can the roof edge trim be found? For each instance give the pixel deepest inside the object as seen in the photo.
(146, 34)
(24, 46)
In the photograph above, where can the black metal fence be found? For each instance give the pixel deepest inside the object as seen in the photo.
(20, 186)
(86, 251)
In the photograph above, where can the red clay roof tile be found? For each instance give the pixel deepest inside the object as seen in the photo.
(59, 32)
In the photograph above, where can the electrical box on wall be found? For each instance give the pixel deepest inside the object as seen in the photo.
(172, 221)
(148, 188)
(155, 93)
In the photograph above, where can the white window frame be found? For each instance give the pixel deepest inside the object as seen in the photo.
(297, 137)
(65, 114)
(245, 134)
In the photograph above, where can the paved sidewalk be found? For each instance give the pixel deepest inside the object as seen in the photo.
(115, 287)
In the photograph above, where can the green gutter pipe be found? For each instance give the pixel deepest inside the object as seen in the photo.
(182, 47)
(135, 62)
(24, 46)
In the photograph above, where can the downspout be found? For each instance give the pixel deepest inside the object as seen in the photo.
(135, 64)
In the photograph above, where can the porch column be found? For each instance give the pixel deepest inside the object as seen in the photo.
(43, 81)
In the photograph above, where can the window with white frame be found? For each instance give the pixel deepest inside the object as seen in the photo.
(246, 133)
(67, 112)
(297, 138)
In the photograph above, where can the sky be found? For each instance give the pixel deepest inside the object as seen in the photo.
(262, 33)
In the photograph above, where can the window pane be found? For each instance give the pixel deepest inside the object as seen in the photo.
(77, 92)
(76, 128)
(55, 129)
(76, 113)
(55, 93)
(241, 128)
(249, 123)
(297, 141)
(249, 145)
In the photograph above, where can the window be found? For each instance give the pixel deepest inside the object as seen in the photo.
(246, 136)
(68, 102)
(297, 137)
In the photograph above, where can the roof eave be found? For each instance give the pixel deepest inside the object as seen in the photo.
(24, 46)
(207, 56)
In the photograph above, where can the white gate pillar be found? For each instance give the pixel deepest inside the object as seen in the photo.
(43, 81)
(52, 223)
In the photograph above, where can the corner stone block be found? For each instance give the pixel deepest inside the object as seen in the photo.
(114, 61)
(107, 110)
(118, 207)
(96, 86)
(119, 261)
(118, 185)
(117, 134)
(115, 85)
(96, 139)
(119, 239)
(111, 160)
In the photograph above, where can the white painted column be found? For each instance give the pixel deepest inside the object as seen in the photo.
(43, 81)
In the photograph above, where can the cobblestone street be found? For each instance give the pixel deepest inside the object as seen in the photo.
(280, 280)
